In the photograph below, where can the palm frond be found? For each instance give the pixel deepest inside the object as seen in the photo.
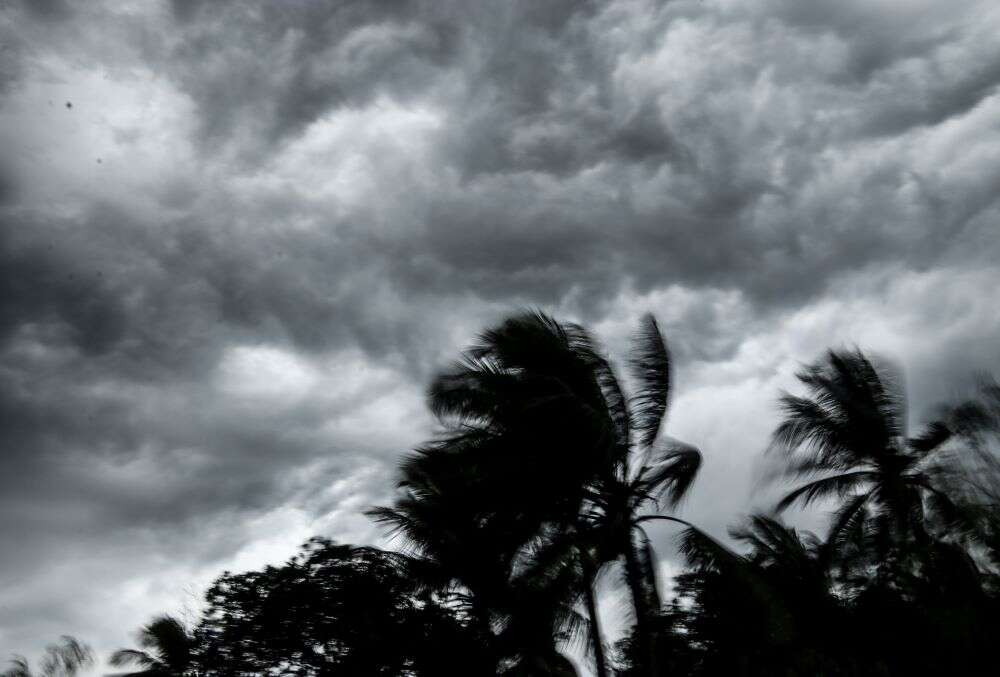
(809, 424)
(671, 473)
(473, 391)
(837, 485)
(169, 639)
(931, 438)
(854, 411)
(703, 552)
(651, 366)
(66, 658)
(124, 657)
(19, 667)
(952, 518)
(615, 402)
(843, 522)
(576, 630)
(534, 344)
(764, 534)
(978, 417)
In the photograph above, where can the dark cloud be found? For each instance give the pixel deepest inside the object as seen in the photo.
(213, 341)
(37, 287)
(264, 74)
(48, 10)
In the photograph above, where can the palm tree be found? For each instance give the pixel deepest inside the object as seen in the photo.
(645, 472)
(167, 649)
(539, 446)
(613, 525)
(477, 500)
(64, 659)
(850, 430)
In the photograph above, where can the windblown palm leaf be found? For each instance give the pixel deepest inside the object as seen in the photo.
(167, 649)
(651, 367)
(64, 659)
(850, 430)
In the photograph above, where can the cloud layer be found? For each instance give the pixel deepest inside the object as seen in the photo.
(236, 240)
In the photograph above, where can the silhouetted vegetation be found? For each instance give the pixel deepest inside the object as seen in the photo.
(167, 650)
(538, 484)
(904, 582)
(541, 483)
(63, 659)
(333, 609)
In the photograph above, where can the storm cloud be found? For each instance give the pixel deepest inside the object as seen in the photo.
(236, 239)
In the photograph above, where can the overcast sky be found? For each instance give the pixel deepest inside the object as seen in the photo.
(236, 239)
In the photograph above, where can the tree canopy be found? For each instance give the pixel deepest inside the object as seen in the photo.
(546, 473)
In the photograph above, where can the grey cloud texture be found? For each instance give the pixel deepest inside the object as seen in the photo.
(236, 239)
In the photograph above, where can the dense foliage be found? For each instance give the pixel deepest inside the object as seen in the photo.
(332, 610)
(541, 484)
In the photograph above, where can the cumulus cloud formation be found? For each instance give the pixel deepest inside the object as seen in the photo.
(237, 238)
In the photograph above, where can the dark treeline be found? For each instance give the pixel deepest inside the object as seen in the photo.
(541, 486)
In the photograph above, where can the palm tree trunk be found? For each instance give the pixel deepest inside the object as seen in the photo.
(652, 580)
(596, 638)
(640, 602)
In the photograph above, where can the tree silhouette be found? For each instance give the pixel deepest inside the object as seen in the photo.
(331, 610)
(540, 444)
(544, 480)
(526, 427)
(972, 478)
(851, 430)
(167, 650)
(896, 588)
(64, 659)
